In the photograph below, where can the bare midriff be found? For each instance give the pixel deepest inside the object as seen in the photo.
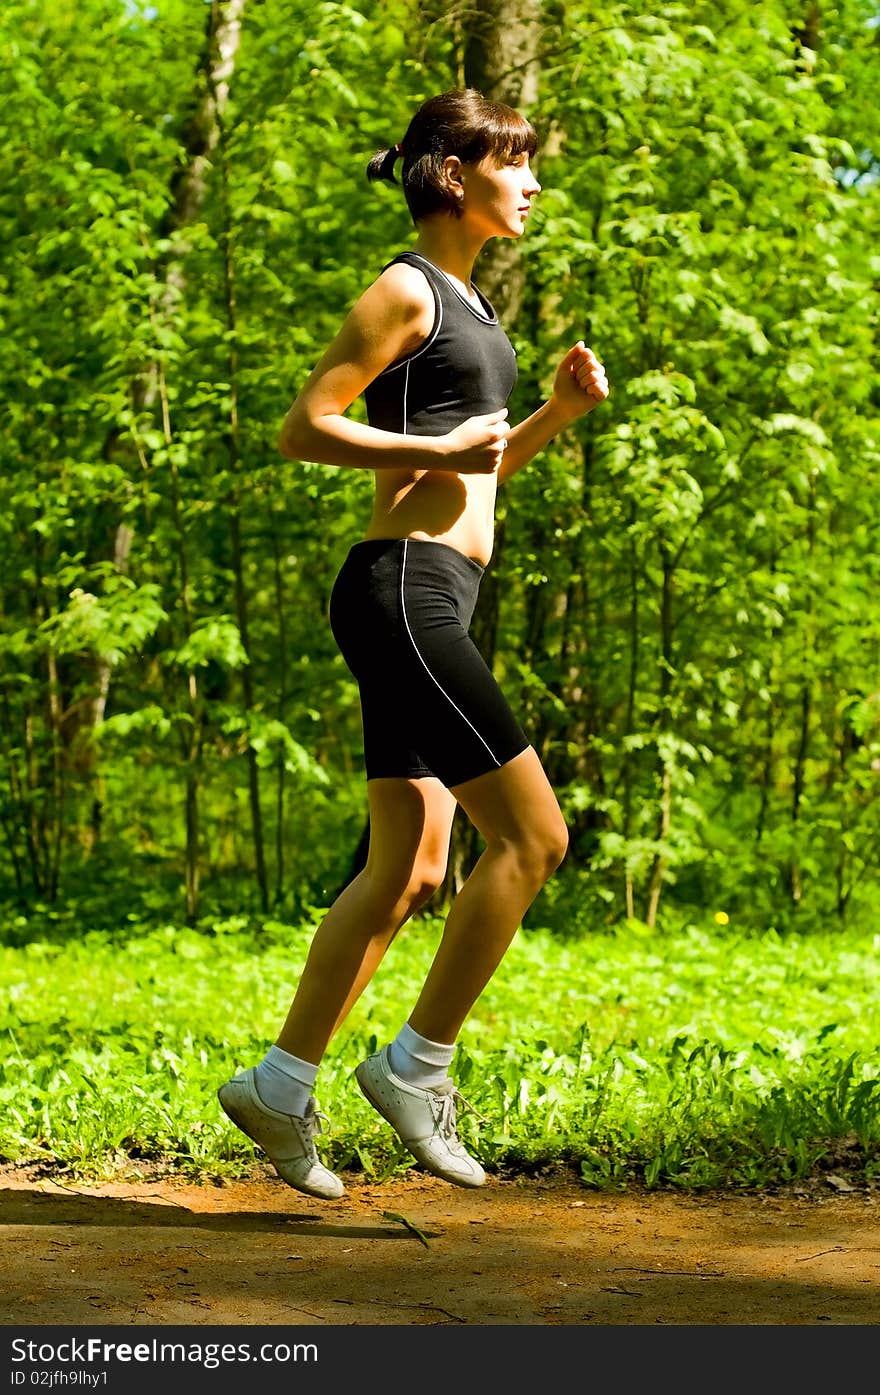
(436, 506)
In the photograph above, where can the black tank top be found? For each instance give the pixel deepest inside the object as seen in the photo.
(465, 367)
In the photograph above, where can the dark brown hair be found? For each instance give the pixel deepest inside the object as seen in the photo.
(461, 122)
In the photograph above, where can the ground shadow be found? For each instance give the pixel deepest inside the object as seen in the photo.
(29, 1208)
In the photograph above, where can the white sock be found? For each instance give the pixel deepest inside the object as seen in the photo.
(285, 1082)
(419, 1061)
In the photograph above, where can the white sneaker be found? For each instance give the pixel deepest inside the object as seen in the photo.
(288, 1140)
(423, 1119)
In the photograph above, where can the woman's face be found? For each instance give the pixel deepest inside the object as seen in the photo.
(497, 197)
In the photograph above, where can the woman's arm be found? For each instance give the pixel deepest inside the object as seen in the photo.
(392, 317)
(579, 386)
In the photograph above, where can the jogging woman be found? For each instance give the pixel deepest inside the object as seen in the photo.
(436, 369)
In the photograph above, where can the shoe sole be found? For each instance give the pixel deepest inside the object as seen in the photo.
(429, 1167)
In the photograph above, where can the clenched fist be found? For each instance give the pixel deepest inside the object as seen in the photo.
(477, 446)
(580, 383)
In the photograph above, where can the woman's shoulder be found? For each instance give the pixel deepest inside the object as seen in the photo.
(399, 297)
(399, 292)
(405, 280)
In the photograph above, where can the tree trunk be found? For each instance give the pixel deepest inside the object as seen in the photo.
(491, 28)
(280, 765)
(235, 469)
(192, 727)
(501, 59)
(806, 709)
(631, 690)
(664, 774)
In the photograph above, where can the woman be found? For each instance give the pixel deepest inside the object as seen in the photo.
(426, 350)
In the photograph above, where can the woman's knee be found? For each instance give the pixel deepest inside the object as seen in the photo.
(541, 847)
(405, 889)
(538, 849)
(557, 843)
(427, 876)
(552, 845)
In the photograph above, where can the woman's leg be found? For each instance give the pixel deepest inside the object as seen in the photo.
(516, 812)
(410, 824)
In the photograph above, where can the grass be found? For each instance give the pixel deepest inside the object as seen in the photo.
(696, 1060)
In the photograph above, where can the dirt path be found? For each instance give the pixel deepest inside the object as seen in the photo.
(418, 1252)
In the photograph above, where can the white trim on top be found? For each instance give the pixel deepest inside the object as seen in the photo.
(465, 300)
(438, 320)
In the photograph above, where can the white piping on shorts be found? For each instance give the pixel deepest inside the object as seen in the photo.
(425, 666)
(405, 390)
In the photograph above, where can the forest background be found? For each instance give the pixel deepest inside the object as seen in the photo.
(681, 601)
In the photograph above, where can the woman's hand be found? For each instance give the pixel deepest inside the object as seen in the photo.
(580, 383)
(476, 446)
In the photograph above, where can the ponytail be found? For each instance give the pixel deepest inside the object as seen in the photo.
(382, 164)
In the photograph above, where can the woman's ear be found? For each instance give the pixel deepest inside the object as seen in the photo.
(452, 171)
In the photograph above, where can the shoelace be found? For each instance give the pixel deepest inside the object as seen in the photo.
(469, 1107)
(318, 1120)
(447, 1113)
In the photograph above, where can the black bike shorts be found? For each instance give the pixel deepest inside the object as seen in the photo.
(400, 610)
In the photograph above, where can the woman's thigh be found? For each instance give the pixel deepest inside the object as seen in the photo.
(514, 804)
(410, 827)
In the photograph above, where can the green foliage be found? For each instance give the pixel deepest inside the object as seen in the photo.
(702, 602)
(699, 1060)
(685, 580)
